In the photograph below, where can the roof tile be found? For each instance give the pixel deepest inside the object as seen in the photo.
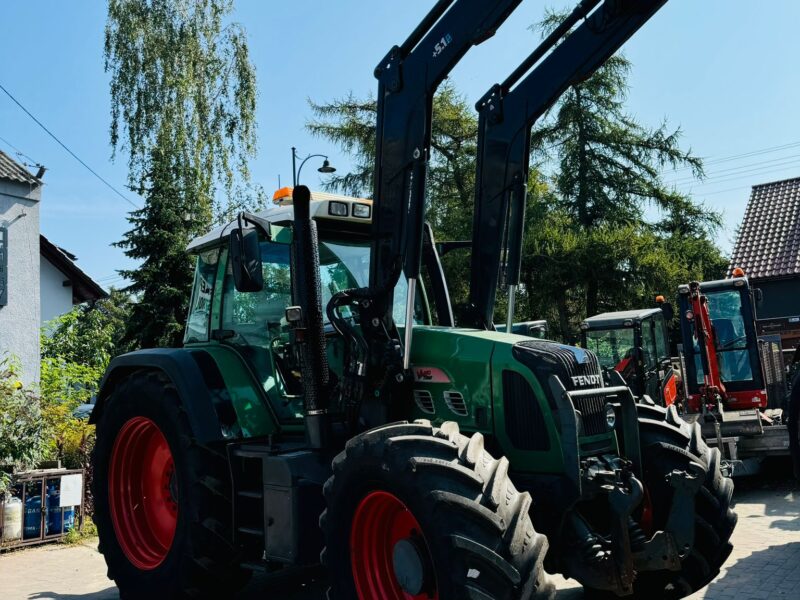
(768, 243)
(12, 170)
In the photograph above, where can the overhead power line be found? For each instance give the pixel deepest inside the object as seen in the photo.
(20, 153)
(715, 161)
(732, 170)
(782, 164)
(64, 146)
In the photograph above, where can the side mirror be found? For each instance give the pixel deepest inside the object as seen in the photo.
(758, 294)
(245, 256)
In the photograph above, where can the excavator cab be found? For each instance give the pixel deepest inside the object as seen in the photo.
(735, 343)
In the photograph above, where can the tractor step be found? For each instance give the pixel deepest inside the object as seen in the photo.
(249, 494)
(252, 451)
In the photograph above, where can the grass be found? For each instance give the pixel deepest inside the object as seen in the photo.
(75, 536)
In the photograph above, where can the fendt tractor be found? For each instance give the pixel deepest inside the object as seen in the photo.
(314, 414)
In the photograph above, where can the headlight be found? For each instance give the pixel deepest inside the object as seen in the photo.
(611, 416)
(337, 209)
(361, 211)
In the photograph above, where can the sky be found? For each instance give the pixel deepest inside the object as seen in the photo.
(724, 71)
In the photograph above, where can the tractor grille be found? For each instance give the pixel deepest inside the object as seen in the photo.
(593, 415)
(525, 423)
(455, 402)
(424, 401)
(576, 369)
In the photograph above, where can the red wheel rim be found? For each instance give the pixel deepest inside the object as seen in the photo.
(142, 493)
(380, 522)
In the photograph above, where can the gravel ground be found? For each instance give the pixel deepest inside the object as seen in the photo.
(765, 563)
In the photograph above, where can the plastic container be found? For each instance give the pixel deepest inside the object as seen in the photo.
(12, 519)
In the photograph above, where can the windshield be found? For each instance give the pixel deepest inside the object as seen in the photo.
(612, 346)
(725, 310)
(343, 265)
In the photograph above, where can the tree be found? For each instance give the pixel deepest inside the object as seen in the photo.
(183, 103)
(181, 78)
(89, 334)
(22, 439)
(350, 123)
(590, 242)
(605, 169)
(162, 282)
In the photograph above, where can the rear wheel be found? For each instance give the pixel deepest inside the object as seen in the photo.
(416, 512)
(162, 501)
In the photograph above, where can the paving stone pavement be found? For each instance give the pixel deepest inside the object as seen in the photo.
(765, 563)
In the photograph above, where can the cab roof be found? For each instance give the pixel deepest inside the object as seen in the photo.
(716, 285)
(282, 212)
(621, 318)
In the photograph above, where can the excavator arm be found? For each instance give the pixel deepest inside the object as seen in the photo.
(713, 387)
(594, 31)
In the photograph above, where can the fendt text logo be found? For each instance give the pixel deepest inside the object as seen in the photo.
(586, 380)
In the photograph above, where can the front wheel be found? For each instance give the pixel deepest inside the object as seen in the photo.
(422, 513)
(669, 443)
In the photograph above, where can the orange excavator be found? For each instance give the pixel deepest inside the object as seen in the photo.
(734, 381)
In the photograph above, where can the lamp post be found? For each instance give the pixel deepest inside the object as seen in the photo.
(325, 168)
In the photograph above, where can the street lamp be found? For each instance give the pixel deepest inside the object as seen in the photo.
(325, 168)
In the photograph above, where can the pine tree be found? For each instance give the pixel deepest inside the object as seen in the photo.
(161, 230)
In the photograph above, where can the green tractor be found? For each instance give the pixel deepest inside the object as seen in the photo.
(315, 415)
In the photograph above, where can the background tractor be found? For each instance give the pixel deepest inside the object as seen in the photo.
(635, 344)
(315, 414)
(733, 382)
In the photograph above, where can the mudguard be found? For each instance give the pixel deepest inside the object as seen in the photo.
(182, 367)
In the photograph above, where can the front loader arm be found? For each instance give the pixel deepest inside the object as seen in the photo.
(407, 79)
(507, 113)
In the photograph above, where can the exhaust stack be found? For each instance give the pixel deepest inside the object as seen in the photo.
(308, 321)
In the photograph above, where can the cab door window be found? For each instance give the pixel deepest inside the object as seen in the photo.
(197, 323)
(662, 343)
(649, 345)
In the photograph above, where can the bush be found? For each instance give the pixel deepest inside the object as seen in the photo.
(22, 430)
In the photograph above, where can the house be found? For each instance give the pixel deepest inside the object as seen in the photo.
(38, 280)
(20, 312)
(768, 249)
(62, 283)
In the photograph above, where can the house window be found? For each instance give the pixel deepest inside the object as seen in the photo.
(3, 266)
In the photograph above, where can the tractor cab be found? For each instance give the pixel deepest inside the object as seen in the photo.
(253, 319)
(635, 344)
(734, 341)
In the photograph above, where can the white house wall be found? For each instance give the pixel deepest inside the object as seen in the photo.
(20, 318)
(56, 299)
